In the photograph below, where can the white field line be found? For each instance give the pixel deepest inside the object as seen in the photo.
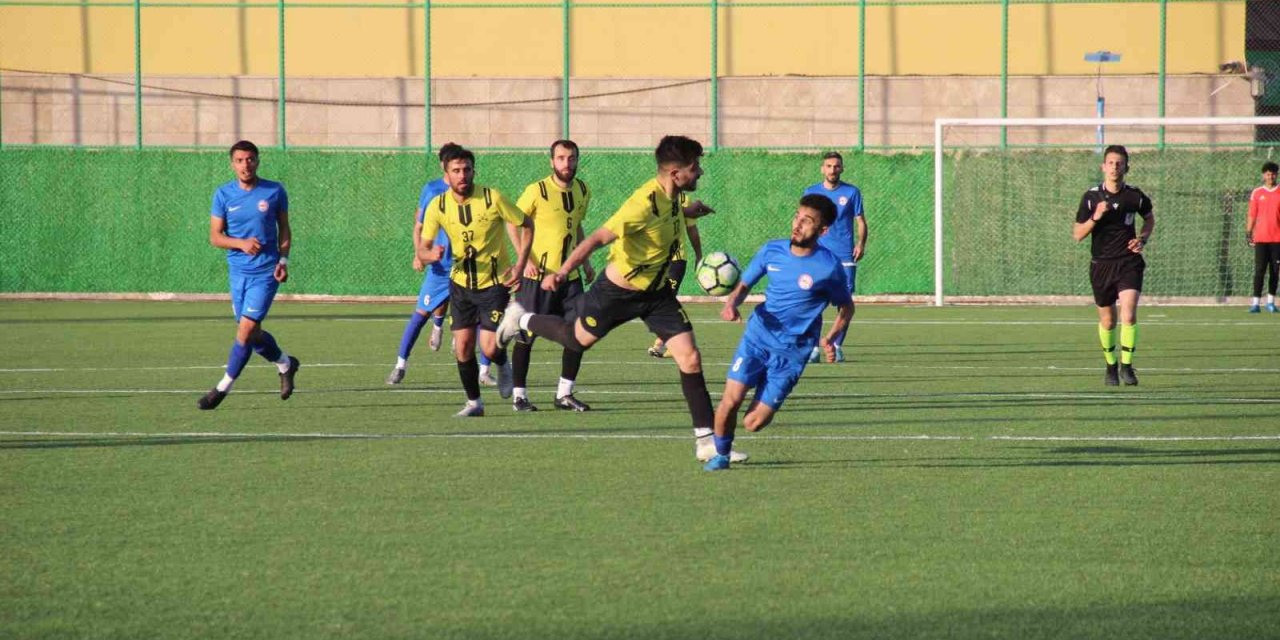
(1173, 395)
(645, 362)
(615, 436)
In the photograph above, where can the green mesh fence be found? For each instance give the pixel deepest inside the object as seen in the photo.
(1008, 218)
(77, 220)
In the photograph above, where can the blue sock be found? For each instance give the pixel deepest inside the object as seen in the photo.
(411, 331)
(484, 360)
(267, 347)
(723, 445)
(238, 357)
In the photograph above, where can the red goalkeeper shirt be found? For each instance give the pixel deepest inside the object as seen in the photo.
(1264, 211)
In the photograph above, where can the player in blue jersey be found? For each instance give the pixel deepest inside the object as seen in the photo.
(250, 219)
(847, 237)
(433, 296)
(804, 278)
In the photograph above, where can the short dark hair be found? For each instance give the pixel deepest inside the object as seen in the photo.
(833, 154)
(456, 152)
(677, 150)
(1117, 149)
(1270, 166)
(568, 144)
(243, 145)
(823, 205)
(446, 149)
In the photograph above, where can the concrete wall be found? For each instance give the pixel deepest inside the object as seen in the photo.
(773, 112)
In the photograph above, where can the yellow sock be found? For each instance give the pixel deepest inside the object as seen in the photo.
(1108, 338)
(1128, 342)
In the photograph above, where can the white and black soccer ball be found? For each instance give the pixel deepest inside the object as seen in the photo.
(718, 273)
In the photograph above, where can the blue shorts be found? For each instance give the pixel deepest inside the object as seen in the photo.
(773, 374)
(851, 274)
(252, 295)
(434, 292)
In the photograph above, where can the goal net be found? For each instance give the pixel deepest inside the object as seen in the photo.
(1006, 192)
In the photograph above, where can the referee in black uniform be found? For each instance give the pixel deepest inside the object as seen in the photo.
(1108, 213)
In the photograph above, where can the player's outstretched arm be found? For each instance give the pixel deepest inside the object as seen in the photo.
(844, 313)
(695, 241)
(730, 311)
(860, 247)
(697, 209)
(598, 238)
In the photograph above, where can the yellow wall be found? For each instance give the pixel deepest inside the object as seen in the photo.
(622, 42)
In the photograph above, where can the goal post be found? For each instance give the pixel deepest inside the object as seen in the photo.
(1006, 190)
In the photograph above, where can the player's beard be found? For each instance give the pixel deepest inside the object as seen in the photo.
(804, 244)
(565, 177)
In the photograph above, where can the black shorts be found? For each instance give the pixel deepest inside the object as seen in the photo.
(675, 273)
(1266, 253)
(562, 302)
(469, 307)
(607, 305)
(1110, 277)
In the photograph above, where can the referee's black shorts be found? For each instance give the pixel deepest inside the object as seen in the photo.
(1111, 276)
(606, 305)
(469, 307)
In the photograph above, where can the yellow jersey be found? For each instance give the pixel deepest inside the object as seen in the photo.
(557, 214)
(477, 234)
(649, 226)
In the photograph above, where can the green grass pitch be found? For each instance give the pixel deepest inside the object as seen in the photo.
(966, 474)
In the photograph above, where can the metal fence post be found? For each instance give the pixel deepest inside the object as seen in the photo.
(137, 72)
(1164, 32)
(564, 84)
(862, 75)
(1004, 70)
(715, 74)
(426, 80)
(281, 124)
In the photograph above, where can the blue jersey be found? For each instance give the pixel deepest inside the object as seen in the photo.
(429, 191)
(799, 290)
(252, 214)
(840, 236)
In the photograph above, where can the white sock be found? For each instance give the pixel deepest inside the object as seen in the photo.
(475, 403)
(283, 363)
(519, 392)
(401, 363)
(1271, 299)
(1255, 301)
(224, 385)
(484, 370)
(524, 321)
(703, 432)
(564, 389)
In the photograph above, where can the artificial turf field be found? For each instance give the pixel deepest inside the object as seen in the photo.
(966, 474)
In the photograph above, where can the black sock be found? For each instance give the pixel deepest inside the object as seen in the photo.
(555, 328)
(520, 363)
(570, 364)
(694, 386)
(499, 358)
(469, 371)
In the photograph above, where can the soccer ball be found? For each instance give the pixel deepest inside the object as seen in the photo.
(718, 273)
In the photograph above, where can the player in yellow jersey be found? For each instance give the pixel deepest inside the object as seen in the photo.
(557, 205)
(680, 263)
(475, 219)
(645, 234)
